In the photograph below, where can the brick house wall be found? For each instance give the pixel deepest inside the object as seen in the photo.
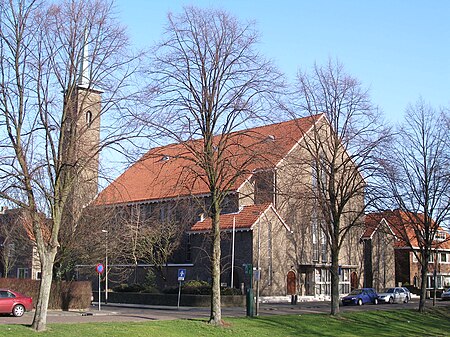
(403, 266)
(383, 260)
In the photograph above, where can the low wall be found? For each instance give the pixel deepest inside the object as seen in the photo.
(186, 300)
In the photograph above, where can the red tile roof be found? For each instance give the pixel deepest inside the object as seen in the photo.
(19, 217)
(171, 171)
(244, 219)
(402, 224)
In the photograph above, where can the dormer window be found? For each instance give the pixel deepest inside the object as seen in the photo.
(88, 118)
(165, 158)
(201, 217)
(270, 138)
(440, 236)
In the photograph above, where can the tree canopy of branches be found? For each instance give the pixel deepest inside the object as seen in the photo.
(45, 150)
(341, 155)
(418, 180)
(207, 81)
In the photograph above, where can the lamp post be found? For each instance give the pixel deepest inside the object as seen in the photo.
(106, 266)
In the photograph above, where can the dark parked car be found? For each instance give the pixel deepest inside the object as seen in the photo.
(361, 296)
(445, 295)
(12, 302)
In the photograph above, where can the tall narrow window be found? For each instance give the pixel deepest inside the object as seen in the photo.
(88, 118)
(188, 249)
(315, 243)
(269, 243)
(323, 243)
(264, 187)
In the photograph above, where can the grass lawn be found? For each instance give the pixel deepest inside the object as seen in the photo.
(368, 323)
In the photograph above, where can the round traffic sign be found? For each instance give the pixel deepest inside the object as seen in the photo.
(99, 268)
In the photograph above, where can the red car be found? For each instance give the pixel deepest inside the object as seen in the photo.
(12, 302)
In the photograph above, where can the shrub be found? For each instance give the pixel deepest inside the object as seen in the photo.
(128, 288)
(196, 287)
(150, 283)
(170, 290)
(230, 291)
(151, 290)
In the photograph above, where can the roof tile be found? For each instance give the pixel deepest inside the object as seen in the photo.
(244, 219)
(171, 171)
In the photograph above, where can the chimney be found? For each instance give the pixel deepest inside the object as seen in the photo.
(3, 209)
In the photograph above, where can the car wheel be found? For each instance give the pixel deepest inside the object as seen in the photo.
(375, 301)
(391, 300)
(18, 310)
(406, 299)
(360, 302)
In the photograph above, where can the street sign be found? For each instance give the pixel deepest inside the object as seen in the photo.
(248, 267)
(181, 274)
(99, 268)
(257, 275)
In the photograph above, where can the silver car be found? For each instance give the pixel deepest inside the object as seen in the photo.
(445, 296)
(393, 295)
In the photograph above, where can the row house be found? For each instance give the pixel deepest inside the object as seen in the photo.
(18, 253)
(389, 260)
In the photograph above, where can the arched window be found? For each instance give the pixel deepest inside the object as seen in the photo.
(88, 118)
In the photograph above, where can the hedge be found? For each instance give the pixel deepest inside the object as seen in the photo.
(63, 295)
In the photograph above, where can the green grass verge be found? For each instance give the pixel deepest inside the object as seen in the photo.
(435, 322)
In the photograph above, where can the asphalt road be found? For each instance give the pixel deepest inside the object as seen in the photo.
(112, 313)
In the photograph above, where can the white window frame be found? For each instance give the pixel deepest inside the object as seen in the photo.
(323, 283)
(25, 272)
(344, 281)
(447, 257)
(440, 236)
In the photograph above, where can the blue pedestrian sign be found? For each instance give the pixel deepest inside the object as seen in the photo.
(181, 274)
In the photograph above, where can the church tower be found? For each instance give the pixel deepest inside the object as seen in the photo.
(81, 143)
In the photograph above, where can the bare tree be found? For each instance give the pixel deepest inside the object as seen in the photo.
(157, 242)
(207, 79)
(418, 180)
(56, 59)
(340, 158)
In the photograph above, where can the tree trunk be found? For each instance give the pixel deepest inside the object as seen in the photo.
(334, 281)
(40, 314)
(216, 312)
(423, 287)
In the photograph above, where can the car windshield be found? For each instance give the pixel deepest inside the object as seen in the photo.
(356, 292)
(390, 290)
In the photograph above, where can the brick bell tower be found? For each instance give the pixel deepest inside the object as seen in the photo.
(81, 143)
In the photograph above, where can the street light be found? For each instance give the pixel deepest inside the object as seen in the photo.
(106, 267)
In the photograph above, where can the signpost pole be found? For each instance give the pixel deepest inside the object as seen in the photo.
(179, 295)
(181, 277)
(99, 268)
(99, 292)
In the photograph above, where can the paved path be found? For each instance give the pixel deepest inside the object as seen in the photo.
(131, 313)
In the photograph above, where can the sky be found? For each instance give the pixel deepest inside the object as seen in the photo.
(399, 50)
